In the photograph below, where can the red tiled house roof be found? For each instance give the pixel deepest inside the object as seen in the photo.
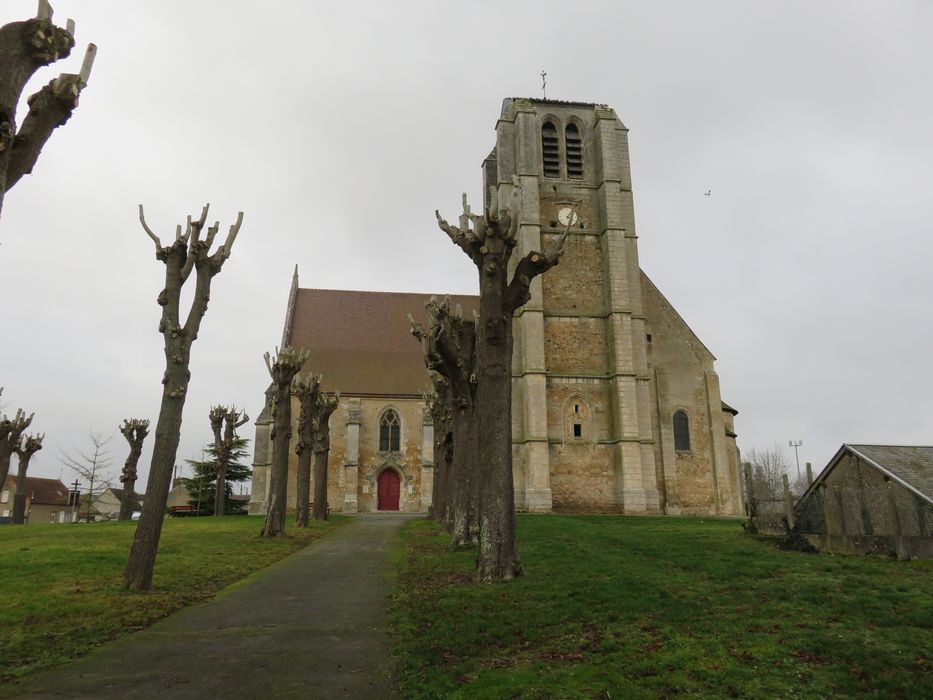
(46, 492)
(361, 341)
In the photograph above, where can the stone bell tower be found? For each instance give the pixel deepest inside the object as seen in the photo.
(581, 415)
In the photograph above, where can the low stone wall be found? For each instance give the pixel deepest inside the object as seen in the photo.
(902, 547)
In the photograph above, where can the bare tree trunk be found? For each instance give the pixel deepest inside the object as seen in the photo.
(224, 422)
(498, 552)
(320, 485)
(24, 48)
(283, 370)
(446, 484)
(449, 347)
(278, 473)
(11, 430)
(439, 405)
(303, 488)
(30, 445)
(135, 431)
(326, 405)
(463, 518)
(216, 417)
(439, 484)
(489, 240)
(186, 254)
(307, 391)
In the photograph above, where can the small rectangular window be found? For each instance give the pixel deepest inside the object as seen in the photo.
(577, 430)
(5, 496)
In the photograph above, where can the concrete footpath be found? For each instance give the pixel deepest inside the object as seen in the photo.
(313, 625)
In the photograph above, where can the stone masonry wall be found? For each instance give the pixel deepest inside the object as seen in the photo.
(692, 481)
(407, 462)
(577, 283)
(582, 477)
(575, 345)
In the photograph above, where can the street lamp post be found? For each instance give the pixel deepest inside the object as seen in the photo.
(795, 444)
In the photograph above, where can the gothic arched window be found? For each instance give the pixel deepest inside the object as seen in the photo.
(550, 150)
(681, 432)
(390, 432)
(573, 146)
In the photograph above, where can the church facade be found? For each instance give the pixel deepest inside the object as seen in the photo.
(616, 404)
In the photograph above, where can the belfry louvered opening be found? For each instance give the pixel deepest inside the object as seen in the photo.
(574, 147)
(550, 150)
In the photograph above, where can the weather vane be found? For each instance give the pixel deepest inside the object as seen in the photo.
(544, 85)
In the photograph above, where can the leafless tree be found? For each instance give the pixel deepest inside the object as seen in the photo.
(186, 254)
(135, 431)
(488, 241)
(29, 445)
(224, 422)
(91, 466)
(24, 48)
(326, 405)
(768, 469)
(306, 389)
(11, 430)
(283, 368)
(449, 347)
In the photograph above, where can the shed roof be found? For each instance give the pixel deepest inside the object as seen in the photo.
(911, 465)
(361, 341)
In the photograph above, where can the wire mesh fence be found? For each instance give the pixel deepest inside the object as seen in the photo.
(841, 510)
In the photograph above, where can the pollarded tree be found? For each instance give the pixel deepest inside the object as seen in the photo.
(287, 363)
(306, 390)
(135, 431)
(202, 487)
(489, 240)
(449, 347)
(188, 253)
(224, 422)
(29, 445)
(326, 405)
(11, 430)
(24, 48)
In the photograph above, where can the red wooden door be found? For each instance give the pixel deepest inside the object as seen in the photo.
(388, 486)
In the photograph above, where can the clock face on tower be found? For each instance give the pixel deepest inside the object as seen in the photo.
(566, 215)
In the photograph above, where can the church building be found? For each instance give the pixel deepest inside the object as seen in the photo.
(616, 405)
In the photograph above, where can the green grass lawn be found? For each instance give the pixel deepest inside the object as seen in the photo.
(61, 594)
(618, 607)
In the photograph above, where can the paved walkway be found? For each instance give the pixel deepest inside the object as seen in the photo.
(313, 625)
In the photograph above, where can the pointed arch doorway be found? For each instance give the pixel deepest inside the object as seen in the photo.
(388, 488)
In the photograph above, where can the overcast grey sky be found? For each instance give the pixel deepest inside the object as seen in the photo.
(338, 128)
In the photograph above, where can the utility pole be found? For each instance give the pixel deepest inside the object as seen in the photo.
(74, 500)
(795, 444)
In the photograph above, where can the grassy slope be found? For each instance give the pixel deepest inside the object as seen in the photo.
(651, 607)
(61, 595)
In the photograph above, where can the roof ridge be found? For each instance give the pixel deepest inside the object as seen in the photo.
(382, 291)
(883, 444)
